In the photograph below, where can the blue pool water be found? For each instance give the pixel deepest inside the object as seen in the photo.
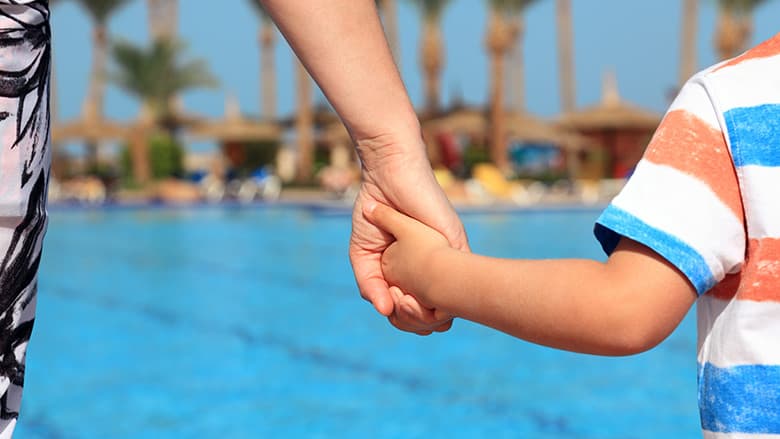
(232, 323)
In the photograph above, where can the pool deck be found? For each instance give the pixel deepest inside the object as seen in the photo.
(324, 202)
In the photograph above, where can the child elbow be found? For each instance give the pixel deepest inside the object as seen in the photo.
(636, 339)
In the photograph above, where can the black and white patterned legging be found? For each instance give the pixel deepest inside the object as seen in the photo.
(25, 54)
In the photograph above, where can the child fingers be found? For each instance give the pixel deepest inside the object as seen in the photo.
(409, 315)
(385, 218)
(424, 317)
(397, 296)
(413, 310)
(401, 322)
(444, 327)
(441, 315)
(408, 318)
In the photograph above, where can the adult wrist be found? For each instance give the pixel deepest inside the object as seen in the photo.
(393, 144)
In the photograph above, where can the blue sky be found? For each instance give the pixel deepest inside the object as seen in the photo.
(639, 40)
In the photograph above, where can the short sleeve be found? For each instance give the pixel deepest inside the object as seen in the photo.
(683, 200)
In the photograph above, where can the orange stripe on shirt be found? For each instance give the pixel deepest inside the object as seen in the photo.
(759, 280)
(766, 49)
(727, 288)
(688, 144)
(761, 274)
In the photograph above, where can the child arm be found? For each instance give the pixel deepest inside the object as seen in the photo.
(623, 306)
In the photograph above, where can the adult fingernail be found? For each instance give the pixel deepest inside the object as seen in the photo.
(369, 206)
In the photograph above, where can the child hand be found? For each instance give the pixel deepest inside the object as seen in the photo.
(411, 316)
(406, 262)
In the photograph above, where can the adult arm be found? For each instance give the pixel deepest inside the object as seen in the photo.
(342, 45)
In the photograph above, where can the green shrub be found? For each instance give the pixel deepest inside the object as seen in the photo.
(473, 155)
(166, 159)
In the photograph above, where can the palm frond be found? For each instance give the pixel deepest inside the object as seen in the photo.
(100, 10)
(258, 7)
(155, 74)
(510, 7)
(431, 9)
(740, 6)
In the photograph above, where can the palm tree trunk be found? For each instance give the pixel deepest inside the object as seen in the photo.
(93, 107)
(565, 54)
(139, 154)
(498, 42)
(54, 103)
(304, 125)
(498, 146)
(746, 31)
(54, 116)
(267, 70)
(431, 60)
(728, 35)
(688, 63)
(173, 17)
(153, 8)
(518, 76)
(390, 21)
(163, 17)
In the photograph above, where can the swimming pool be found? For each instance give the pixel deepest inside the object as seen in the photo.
(245, 322)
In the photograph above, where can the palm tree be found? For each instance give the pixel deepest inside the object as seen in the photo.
(514, 78)
(566, 54)
(431, 49)
(504, 30)
(688, 62)
(154, 75)
(390, 21)
(267, 39)
(54, 106)
(735, 26)
(304, 125)
(163, 18)
(53, 101)
(99, 12)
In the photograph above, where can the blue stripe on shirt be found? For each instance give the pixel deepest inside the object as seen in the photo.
(740, 399)
(755, 134)
(615, 222)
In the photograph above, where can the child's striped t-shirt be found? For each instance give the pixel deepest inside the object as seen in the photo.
(706, 196)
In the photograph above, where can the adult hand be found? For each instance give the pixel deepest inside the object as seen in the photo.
(401, 177)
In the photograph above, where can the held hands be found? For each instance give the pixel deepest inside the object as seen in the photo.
(367, 245)
(404, 181)
(406, 263)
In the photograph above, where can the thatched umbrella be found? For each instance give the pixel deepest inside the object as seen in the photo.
(96, 131)
(336, 133)
(520, 126)
(234, 127)
(322, 116)
(621, 129)
(339, 143)
(234, 131)
(528, 128)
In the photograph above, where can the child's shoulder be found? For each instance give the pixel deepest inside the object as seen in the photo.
(746, 81)
(764, 54)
